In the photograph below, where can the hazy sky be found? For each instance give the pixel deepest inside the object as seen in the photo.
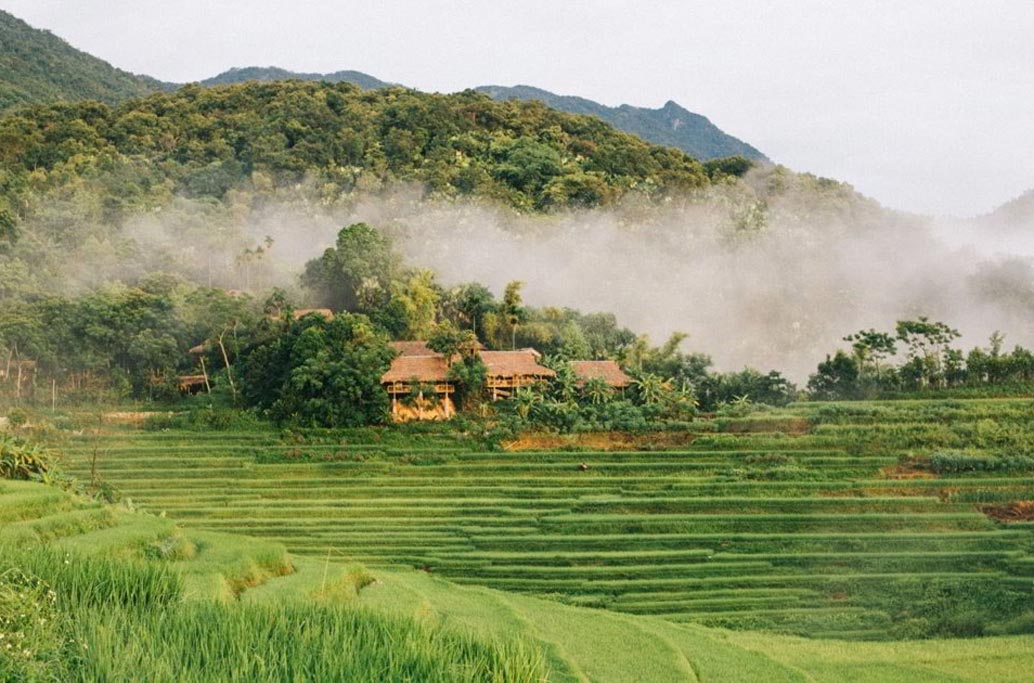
(926, 105)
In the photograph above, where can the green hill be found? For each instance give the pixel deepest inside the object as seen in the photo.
(38, 67)
(204, 142)
(672, 125)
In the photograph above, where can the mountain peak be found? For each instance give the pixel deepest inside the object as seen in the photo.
(240, 74)
(672, 125)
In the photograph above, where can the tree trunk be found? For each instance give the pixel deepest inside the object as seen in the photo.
(229, 372)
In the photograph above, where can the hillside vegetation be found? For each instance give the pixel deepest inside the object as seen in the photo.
(38, 67)
(203, 143)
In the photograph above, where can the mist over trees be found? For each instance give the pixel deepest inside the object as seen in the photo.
(234, 192)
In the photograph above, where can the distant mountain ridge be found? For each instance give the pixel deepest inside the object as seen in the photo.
(1015, 214)
(273, 73)
(672, 125)
(37, 67)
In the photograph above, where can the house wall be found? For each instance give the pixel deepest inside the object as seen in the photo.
(441, 408)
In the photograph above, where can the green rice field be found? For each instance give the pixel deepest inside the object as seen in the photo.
(822, 520)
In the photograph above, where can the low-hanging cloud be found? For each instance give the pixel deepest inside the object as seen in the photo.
(757, 277)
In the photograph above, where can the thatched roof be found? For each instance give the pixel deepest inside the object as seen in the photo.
(416, 362)
(325, 313)
(514, 364)
(607, 370)
(412, 348)
(430, 368)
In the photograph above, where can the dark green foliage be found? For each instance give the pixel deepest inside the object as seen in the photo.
(123, 340)
(357, 273)
(769, 388)
(38, 67)
(836, 378)
(320, 373)
(470, 377)
(734, 167)
(930, 365)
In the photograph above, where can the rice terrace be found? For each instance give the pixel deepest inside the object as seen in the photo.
(315, 377)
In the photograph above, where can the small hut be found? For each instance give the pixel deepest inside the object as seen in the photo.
(607, 370)
(418, 383)
(507, 370)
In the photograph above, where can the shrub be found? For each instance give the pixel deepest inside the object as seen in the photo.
(22, 460)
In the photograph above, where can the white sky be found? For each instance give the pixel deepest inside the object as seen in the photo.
(926, 105)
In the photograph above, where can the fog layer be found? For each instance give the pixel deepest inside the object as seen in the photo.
(771, 272)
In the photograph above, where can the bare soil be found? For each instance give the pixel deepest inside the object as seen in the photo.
(601, 441)
(1016, 511)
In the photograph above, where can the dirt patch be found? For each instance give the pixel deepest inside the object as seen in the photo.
(134, 416)
(794, 426)
(907, 470)
(1016, 511)
(601, 441)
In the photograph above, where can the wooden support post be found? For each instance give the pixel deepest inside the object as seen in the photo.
(208, 387)
(53, 394)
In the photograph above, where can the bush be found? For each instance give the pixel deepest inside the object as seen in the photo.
(21, 460)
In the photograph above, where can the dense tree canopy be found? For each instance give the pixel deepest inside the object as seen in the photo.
(206, 142)
(319, 372)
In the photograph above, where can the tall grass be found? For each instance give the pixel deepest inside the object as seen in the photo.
(209, 643)
(83, 582)
(82, 619)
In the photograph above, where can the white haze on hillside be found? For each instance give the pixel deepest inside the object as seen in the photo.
(772, 294)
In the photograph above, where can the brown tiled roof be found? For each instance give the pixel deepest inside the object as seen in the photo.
(412, 348)
(299, 313)
(607, 370)
(417, 368)
(513, 363)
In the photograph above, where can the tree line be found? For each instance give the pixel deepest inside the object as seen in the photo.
(918, 356)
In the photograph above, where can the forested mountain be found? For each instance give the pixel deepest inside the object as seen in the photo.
(204, 142)
(272, 73)
(38, 67)
(671, 125)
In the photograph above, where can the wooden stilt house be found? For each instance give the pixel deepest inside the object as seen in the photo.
(418, 383)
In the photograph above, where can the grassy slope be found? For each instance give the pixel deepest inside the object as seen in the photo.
(580, 644)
